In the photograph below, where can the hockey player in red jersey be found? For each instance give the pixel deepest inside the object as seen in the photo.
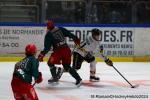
(87, 51)
(22, 76)
(61, 54)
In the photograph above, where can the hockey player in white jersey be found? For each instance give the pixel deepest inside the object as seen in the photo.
(87, 51)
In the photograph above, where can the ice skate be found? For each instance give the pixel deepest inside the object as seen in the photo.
(53, 80)
(79, 82)
(94, 79)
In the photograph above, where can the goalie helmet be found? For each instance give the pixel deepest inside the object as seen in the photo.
(30, 49)
(50, 25)
(96, 34)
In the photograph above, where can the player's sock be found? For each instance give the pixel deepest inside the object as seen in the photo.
(53, 72)
(59, 72)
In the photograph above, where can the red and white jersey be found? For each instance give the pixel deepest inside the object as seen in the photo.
(92, 46)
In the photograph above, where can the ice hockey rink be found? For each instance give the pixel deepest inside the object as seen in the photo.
(111, 87)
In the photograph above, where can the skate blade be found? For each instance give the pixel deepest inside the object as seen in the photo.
(94, 80)
(79, 84)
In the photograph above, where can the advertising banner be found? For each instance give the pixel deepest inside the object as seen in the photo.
(117, 41)
(13, 39)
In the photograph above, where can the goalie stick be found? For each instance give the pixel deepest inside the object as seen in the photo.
(132, 86)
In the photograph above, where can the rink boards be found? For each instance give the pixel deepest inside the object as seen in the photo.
(120, 42)
(114, 59)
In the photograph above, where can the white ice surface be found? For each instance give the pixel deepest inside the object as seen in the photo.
(112, 85)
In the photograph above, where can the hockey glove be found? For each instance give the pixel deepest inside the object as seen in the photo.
(101, 49)
(109, 62)
(77, 42)
(40, 78)
(40, 57)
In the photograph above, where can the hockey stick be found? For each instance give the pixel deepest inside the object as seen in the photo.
(132, 86)
(82, 49)
(33, 84)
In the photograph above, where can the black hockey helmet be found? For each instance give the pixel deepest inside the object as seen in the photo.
(96, 32)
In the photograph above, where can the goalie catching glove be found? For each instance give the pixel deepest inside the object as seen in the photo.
(109, 62)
